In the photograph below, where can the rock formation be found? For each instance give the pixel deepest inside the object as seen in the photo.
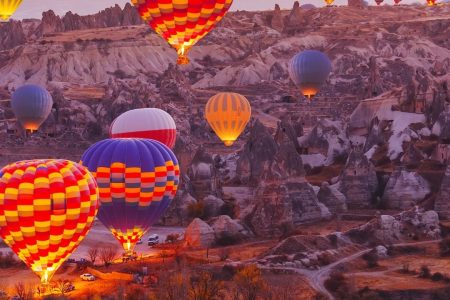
(174, 86)
(259, 149)
(199, 234)
(293, 23)
(334, 200)
(226, 228)
(442, 202)
(212, 206)
(404, 189)
(358, 181)
(11, 35)
(277, 21)
(407, 226)
(203, 175)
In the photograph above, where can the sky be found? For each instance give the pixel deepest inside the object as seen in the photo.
(34, 8)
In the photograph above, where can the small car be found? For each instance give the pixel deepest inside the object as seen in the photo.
(153, 240)
(139, 242)
(87, 277)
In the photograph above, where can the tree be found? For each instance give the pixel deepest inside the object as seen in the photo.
(93, 254)
(107, 255)
(172, 286)
(249, 282)
(63, 286)
(204, 287)
(371, 258)
(23, 292)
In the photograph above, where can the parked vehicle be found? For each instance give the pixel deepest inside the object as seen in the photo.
(87, 277)
(153, 240)
(139, 242)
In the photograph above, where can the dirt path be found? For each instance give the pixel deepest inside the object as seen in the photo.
(317, 278)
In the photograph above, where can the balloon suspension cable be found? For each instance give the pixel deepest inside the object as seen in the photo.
(182, 55)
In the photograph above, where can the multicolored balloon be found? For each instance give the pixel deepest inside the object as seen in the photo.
(8, 8)
(228, 114)
(182, 23)
(137, 179)
(46, 209)
(31, 105)
(146, 123)
(309, 70)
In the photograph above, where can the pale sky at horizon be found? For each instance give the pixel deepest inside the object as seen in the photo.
(34, 8)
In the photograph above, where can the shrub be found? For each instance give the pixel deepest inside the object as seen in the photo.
(224, 254)
(172, 238)
(371, 258)
(196, 210)
(437, 277)
(249, 282)
(424, 272)
(444, 247)
(227, 239)
(335, 282)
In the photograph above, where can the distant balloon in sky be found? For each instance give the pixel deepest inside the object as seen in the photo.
(46, 209)
(309, 70)
(329, 2)
(147, 123)
(397, 1)
(31, 105)
(379, 1)
(182, 23)
(8, 8)
(431, 2)
(228, 115)
(137, 180)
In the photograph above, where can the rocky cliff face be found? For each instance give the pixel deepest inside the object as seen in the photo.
(404, 189)
(358, 181)
(11, 35)
(442, 202)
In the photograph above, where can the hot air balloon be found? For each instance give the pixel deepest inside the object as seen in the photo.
(309, 70)
(7, 8)
(31, 105)
(329, 2)
(46, 209)
(182, 23)
(397, 1)
(137, 179)
(228, 114)
(147, 123)
(431, 2)
(379, 1)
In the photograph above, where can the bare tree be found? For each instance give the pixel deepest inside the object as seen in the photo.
(249, 282)
(93, 254)
(172, 286)
(204, 287)
(63, 286)
(107, 255)
(23, 292)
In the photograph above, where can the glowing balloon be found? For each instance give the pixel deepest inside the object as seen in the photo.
(7, 8)
(431, 2)
(309, 70)
(46, 209)
(182, 23)
(228, 114)
(147, 123)
(329, 2)
(31, 105)
(137, 179)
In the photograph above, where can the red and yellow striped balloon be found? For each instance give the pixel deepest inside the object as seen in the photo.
(182, 23)
(46, 209)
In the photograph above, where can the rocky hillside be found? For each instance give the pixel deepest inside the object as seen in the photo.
(384, 106)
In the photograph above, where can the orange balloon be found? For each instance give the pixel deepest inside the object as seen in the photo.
(228, 114)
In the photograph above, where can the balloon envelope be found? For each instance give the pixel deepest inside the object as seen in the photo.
(309, 70)
(182, 23)
(137, 179)
(228, 114)
(147, 123)
(46, 209)
(8, 8)
(31, 105)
